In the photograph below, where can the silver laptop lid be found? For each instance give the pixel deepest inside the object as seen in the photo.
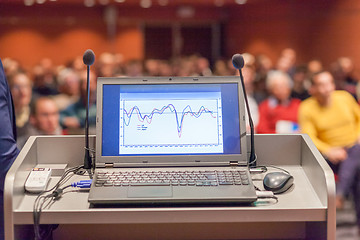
(170, 121)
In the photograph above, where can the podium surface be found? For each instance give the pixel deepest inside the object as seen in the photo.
(305, 211)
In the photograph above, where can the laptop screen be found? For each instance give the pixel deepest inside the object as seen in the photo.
(174, 118)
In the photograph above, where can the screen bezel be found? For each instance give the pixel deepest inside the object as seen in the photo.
(170, 160)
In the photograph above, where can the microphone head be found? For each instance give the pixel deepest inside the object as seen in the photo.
(89, 57)
(238, 61)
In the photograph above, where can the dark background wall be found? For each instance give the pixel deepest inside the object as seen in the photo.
(321, 29)
(315, 29)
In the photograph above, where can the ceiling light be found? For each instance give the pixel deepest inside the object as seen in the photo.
(120, 1)
(163, 2)
(145, 3)
(104, 2)
(240, 1)
(40, 1)
(89, 3)
(219, 3)
(29, 2)
(186, 12)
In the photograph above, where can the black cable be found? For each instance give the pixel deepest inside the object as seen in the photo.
(268, 197)
(272, 166)
(53, 195)
(252, 163)
(39, 205)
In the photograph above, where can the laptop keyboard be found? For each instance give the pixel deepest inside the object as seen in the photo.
(171, 178)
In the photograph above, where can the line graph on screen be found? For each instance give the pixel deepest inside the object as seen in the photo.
(178, 116)
(170, 123)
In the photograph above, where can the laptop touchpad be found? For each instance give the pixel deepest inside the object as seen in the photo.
(149, 191)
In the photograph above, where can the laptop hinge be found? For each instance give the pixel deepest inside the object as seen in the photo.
(104, 165)
(234, 163)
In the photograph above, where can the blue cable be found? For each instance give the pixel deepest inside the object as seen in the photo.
(82, 184)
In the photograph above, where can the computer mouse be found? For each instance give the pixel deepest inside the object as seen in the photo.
(278, 182)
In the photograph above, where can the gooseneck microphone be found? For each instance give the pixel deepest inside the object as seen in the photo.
(88, 59)
(238, 62)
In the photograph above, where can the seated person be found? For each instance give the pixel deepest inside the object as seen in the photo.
(332, 120)
(278, 113)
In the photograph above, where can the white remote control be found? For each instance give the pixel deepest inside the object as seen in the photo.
(38, 180)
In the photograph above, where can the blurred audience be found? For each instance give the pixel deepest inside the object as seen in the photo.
(332, 120)
(344, 74)
(152, 67)
(134, 68)
(69, 88)
(271, 104)
(44, 79)
(11, 66)
(107, 65)
(278, 113)
(287, 61)
(301, 83)
(220, 68)
(73, 117)
(77, 64)
(263, 65)
(203, 66)
(248, 72)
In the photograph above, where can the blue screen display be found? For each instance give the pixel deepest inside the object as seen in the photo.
(177, 119)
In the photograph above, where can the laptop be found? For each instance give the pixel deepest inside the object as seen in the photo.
(171, 141)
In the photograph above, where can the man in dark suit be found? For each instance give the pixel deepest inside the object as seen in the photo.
(8, 148)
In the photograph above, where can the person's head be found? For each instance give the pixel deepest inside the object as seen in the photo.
(284, 64)
(21, 90)
(300, 75)
(152, 67)
(134, 68)
(165, 68)
(314, 66)
(346, 65)
(220, 68)
(263, 63)
(107, 64)
(290, 55)
(279, 85)
(43, 73)
(69, 82)
(203, 66)
(78, 64)
(11, 66)
(249, 59)
(322, 86)
(45, 115)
